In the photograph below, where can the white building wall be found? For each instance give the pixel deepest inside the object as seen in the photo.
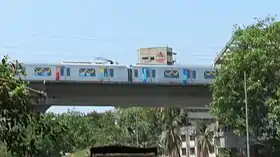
(222, 139)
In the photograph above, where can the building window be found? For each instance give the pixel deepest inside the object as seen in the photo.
(183, 138)
(170, 63)
(135, 73)
(169, 53)
(111, 72)
(184, 151)
(145, 58)
(192, 151)
(192, 137)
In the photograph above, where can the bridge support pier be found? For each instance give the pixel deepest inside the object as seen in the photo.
(41, 108)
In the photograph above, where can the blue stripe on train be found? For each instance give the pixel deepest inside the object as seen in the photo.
(144, 75)
(185, 76)
(101, 75)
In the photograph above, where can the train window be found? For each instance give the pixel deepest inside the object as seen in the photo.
(148, 73)
(87, 72)
(61, 71)
(194, 74)
(42, 71)
(106, 72)
(135, 73)
(68, 71)
(169, 73)
(111, 72)
(153, 73)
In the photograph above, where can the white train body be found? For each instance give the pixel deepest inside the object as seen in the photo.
(149, 74)
(160, 74)
(95, 73)
(76, 72)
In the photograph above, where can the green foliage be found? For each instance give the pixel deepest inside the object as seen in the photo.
(45, 135)
(256, 51)
(172, 119)
(105, 131)
(204, 135)
(26, 134)
(224, 153)
(21, 129)
(15, 112)
(141, 121)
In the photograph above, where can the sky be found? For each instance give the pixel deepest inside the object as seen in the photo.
(49, 31)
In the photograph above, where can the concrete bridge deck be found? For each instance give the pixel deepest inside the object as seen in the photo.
(144, 95)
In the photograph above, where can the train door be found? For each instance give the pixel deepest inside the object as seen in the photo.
(64, 73)
(189, 75)
(148, 75)
(106, 73)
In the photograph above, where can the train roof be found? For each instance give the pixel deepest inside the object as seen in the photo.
(58, 64)
(172, 66)
(119, 65)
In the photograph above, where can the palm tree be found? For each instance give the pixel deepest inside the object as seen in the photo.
(204, 138)
(172, 120)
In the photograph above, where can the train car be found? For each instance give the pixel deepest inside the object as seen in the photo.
(86, 71)
(171, 74)
(106, 73)
(76, 72)
(160, 74)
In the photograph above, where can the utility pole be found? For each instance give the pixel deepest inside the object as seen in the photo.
(136, 121)
(246, 110)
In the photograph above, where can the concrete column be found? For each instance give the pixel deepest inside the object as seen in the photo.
(41, 108)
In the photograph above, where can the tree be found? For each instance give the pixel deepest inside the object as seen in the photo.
(141, 122)
(106, 131)
(204, 137)
(46, 135)
(255, 51)
(15, 110)
(21, 127)
(224, 153)
(80, 134)
(172, 120)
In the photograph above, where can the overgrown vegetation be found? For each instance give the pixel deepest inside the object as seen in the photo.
(255, 51)
(27, 134)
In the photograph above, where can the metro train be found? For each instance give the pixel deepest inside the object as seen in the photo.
(158, 74)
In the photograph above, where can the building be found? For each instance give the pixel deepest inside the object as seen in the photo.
(156, 56)
(223, 138)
